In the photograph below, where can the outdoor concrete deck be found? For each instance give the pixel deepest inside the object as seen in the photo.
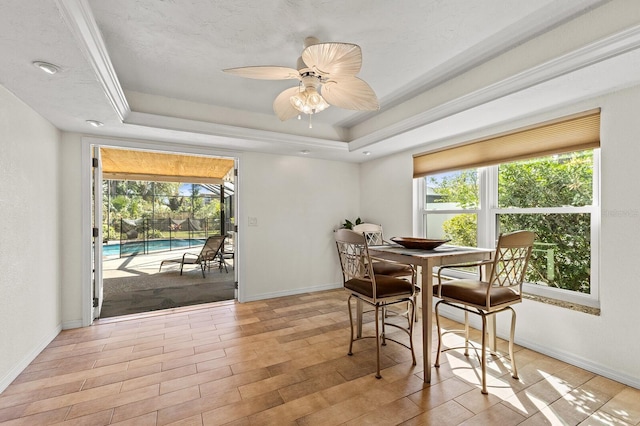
(134, 284)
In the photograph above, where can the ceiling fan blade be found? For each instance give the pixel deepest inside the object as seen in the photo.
(265, 72)
(282, 105)
(350, 93)
(335, 59)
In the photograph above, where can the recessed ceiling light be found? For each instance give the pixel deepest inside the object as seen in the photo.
(95, 123)
(366, 153)
(46, 67)
(305, 152)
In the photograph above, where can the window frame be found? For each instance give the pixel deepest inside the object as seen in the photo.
(487, 217)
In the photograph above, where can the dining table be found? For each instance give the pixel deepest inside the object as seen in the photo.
(426, 260)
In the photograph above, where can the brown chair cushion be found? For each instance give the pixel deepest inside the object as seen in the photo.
(385, 287)
(392, 269)
(474, 292)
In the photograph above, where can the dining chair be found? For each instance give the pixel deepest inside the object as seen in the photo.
(375, 290)
(375, 237)
(501, 289)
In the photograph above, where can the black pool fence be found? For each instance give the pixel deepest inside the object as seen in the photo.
(143, 236)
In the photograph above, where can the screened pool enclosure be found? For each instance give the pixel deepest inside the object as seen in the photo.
(140, 217)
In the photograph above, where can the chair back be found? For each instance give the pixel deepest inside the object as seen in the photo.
(211, 248)
(511, 258)
(372, 232)
(354, 255)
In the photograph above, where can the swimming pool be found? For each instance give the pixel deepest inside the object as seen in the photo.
(142, 247)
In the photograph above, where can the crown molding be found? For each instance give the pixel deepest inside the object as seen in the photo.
(225, 131)
(603, 49)
(80, 20)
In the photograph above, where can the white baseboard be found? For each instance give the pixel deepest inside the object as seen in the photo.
(292, 292)
(68, 325)
(27, 359)
(569, 358)
(581, 363)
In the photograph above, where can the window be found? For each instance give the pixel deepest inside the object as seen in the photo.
(453, 202)
(554, 194)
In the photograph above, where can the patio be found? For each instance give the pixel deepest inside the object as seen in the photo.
(134, 284)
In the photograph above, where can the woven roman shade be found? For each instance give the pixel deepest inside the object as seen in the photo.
(572, 133)
(122, 164)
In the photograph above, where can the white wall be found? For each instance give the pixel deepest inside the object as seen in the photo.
(297, 202)
(383, 200)
(71, 225)
(30, 315)
(607, 344)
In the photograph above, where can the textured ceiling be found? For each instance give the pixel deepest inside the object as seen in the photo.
(151, 69)
(155, 46)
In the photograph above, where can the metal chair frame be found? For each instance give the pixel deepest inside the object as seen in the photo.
(375, 237)
(505, 272)
(356, 264)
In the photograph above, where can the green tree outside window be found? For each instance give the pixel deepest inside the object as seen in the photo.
(562, 254)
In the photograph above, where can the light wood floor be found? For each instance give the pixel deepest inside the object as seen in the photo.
(283, 361)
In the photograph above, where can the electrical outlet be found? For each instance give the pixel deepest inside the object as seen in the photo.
(253, 221)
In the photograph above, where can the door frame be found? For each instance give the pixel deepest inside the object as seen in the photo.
(88, 142)
(98, 199)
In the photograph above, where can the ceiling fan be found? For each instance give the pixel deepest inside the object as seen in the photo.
(326, 74)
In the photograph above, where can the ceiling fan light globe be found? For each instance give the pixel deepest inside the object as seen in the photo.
(314, 99)
(309, 101)
(297, 101)
(322, 104)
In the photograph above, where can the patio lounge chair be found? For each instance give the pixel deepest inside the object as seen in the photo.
(209, 253)
(227, 251)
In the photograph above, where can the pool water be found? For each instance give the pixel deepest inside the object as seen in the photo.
(141, 247)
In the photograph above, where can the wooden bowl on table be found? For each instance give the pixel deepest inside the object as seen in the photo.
(418, 243)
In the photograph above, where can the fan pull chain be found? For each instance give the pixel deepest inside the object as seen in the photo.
(310, 126)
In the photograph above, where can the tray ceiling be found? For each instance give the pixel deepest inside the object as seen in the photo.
(152, 70)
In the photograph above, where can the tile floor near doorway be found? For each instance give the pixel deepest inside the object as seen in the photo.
(283, 361)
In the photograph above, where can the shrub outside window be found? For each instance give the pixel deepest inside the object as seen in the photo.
(453, 201)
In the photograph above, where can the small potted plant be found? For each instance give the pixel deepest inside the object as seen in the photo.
(349, 225)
